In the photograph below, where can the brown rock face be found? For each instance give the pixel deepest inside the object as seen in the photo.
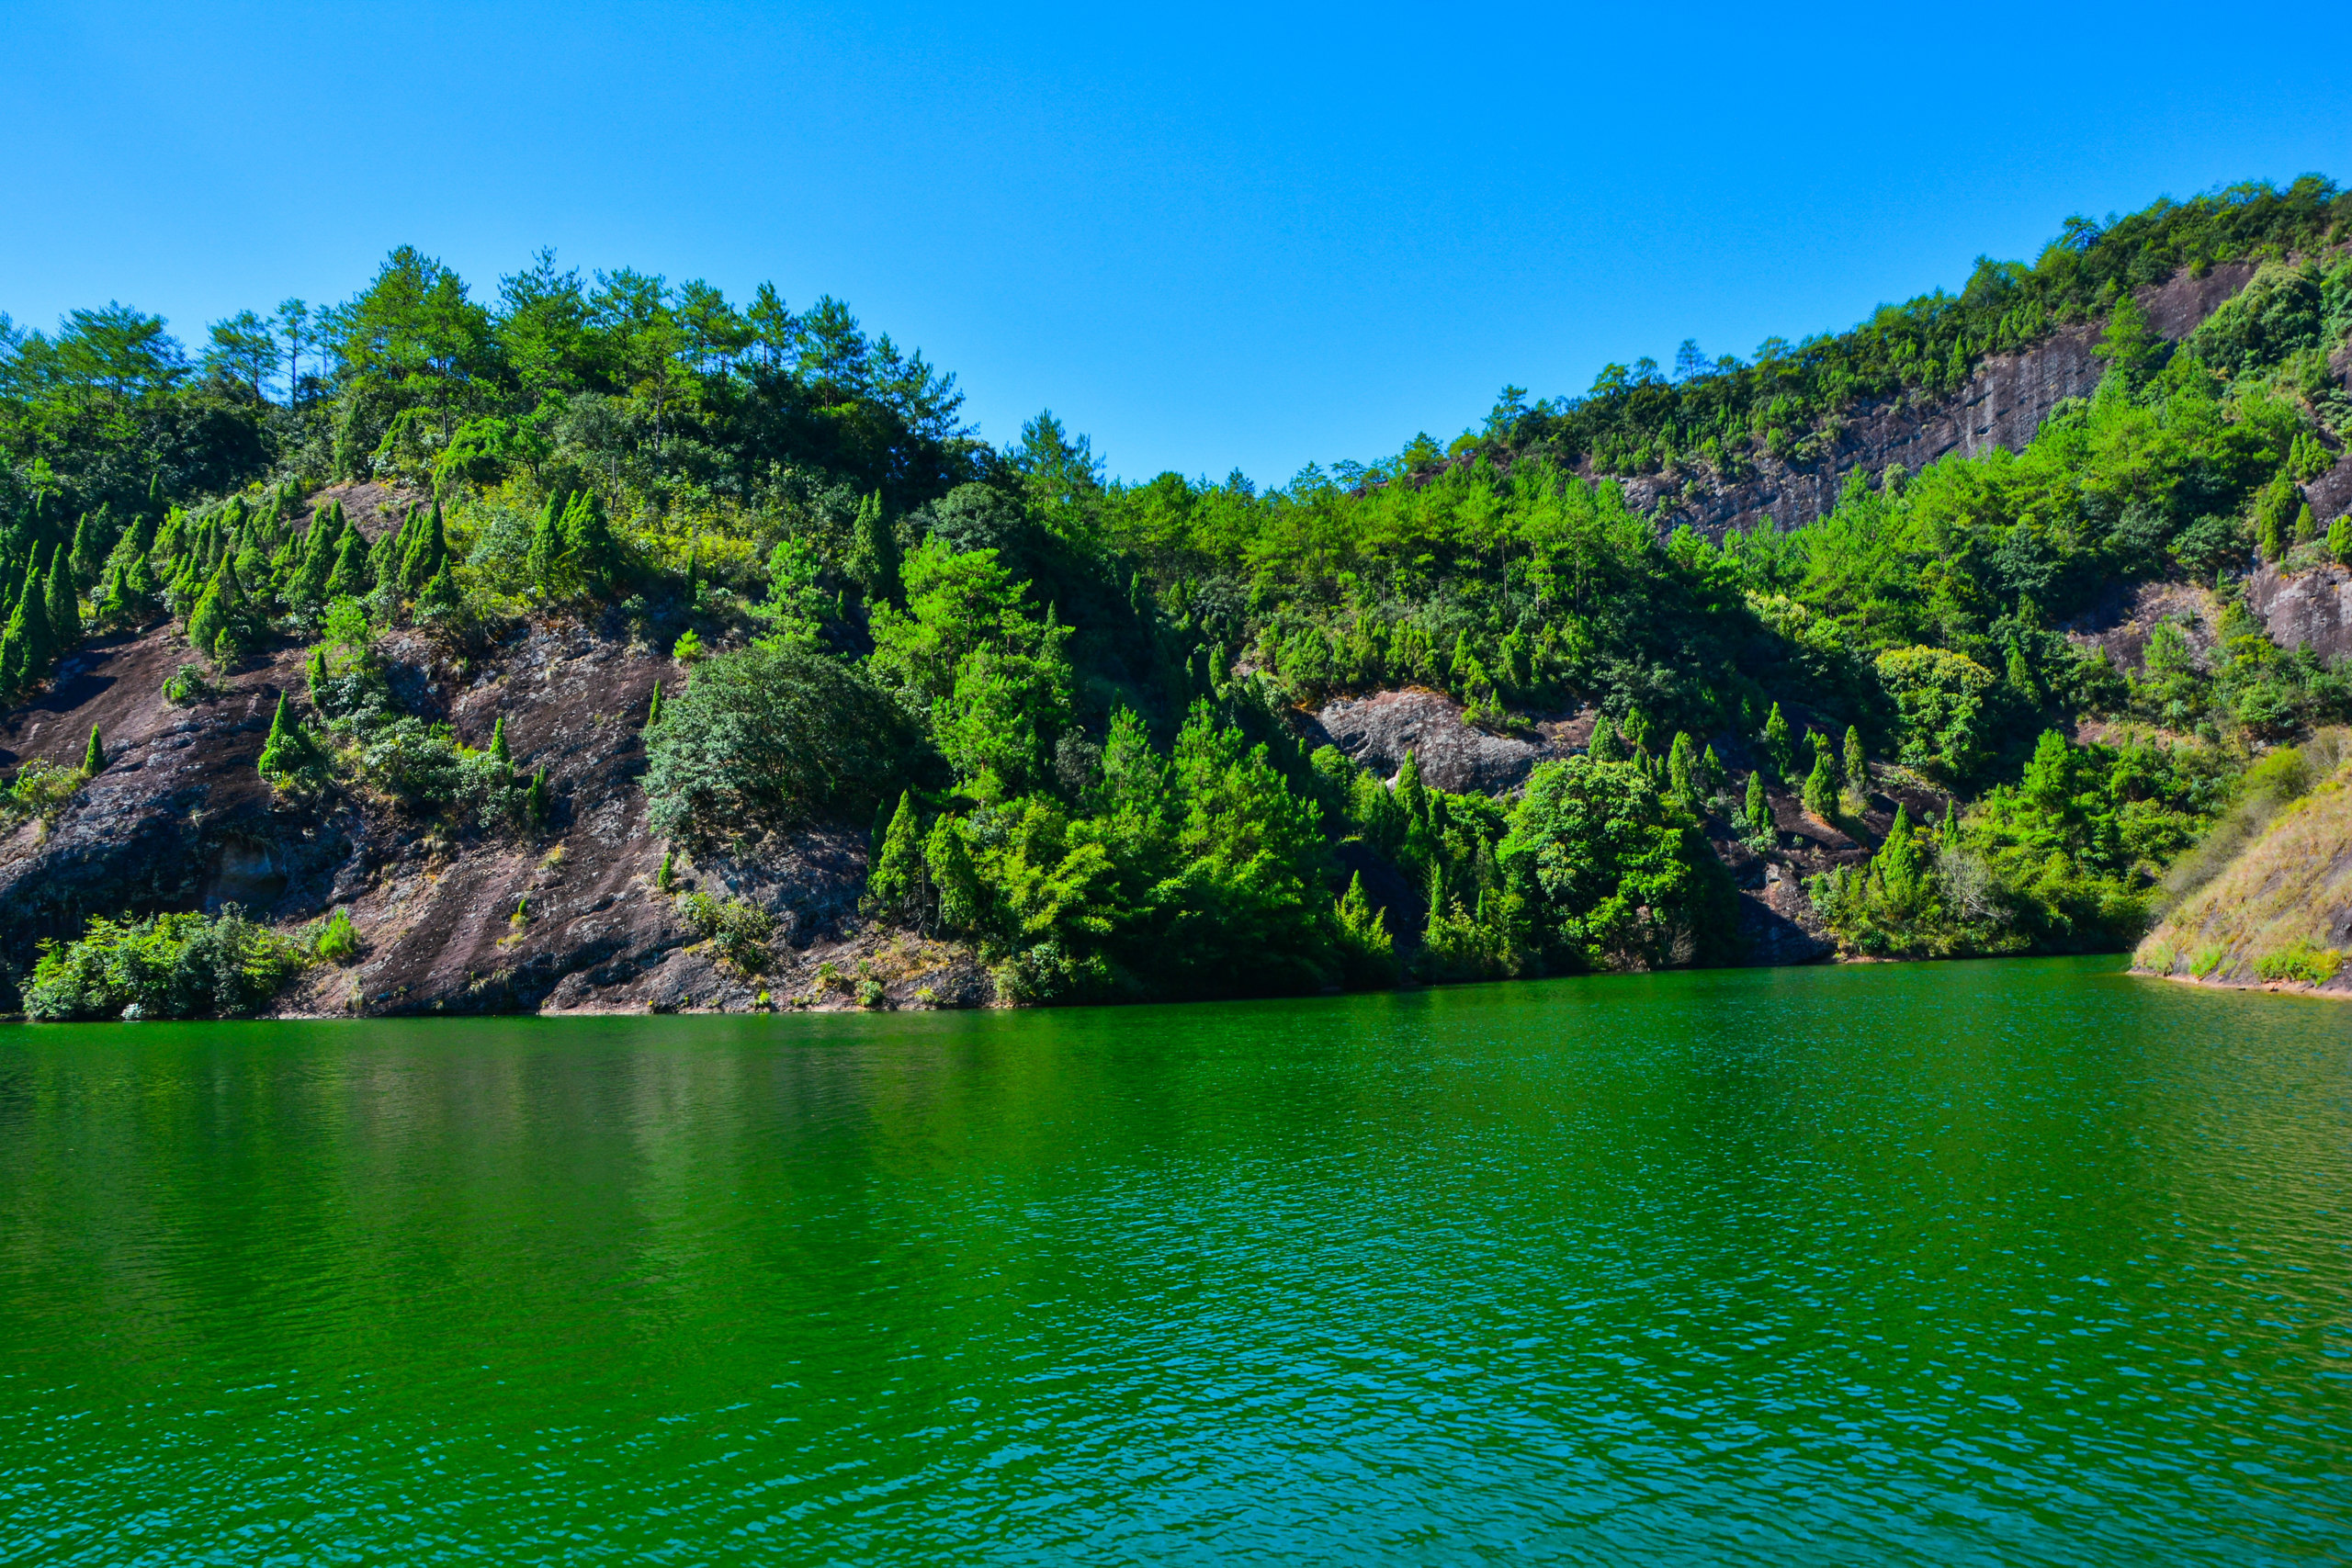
(1377, 730)
(2310, 609)
(2003, 404)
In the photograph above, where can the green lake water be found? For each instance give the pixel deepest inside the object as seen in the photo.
(1998, 1263)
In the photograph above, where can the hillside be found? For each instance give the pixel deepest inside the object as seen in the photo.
(376, 669)
(2277, 912)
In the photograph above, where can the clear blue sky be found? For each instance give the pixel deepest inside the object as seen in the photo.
(1209, 239)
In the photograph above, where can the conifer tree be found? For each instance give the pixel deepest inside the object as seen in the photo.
(1759, 809)
(874, 551)
(1711, 772)
(1777, 743)
(1821, 786)
(31, 615)
(1605, 745)
(1680, 759)
(896, 883)
(545, 557)
(954, 881)
(1368, 954)
(498, 743)
(653, 708)
(588, 540)
(314, 669)
(1858, 766)
(439, 594)
(113, 607)
(1410, 795)
(385, 555)
(1896, 865)
(352, 577)
(535, 804)
(64, 606)
(94, 761)
(667, 876)
(15, 657)
(2339, 540)
(427, 553)
(87, 558)
(213, 609)
(288, 747)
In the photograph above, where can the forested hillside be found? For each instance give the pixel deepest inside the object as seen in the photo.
(630, 646)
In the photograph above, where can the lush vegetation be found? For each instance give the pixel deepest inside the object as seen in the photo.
(1062, 702)
(172, 965)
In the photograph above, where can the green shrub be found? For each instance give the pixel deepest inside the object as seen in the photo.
(188, 687)
(772, 737)
(738, 930)
(40, 789)
(336, 943)
(2303, 960)
(1367, 953)
(175, 965)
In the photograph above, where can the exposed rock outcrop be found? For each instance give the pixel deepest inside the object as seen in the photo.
(1376, 731)
(2003, 404)
(2308, 609)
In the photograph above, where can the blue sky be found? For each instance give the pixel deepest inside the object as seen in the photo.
(1208, 238)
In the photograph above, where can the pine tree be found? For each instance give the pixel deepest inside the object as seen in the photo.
(352, 576)
(874, 551)
(535, 805)
(1367, 952)
(1711, 772)
(32, 614)
(439, 595)
(1896, 865)
(212, 625)
(1858, 767)
(384, 557)
(88, 557)
(113, 603)
(1680, 759)
(1605, 745)
(1777, 743)
(588, 539)
(896, 883)
(667, 876)
(1760, 809)
(498, 743)
(653, 708)
(2339, 540)
(64, 606)
(953, 879)
(314, 669)
(545, 557)
(693, 575)
(288, 748)
(94, 761)
(1410, 795)
(2306, 525)
(427, 553)
(1821, 786)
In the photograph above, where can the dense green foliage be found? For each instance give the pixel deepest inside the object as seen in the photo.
(1064, 704)
(184, 965)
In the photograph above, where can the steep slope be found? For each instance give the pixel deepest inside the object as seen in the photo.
(180, 819)
(2003, 403)
(2280, 913)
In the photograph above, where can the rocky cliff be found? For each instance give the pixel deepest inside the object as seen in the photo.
(2003, 404)
(180, 819)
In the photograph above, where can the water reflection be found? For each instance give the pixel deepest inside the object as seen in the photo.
(2007, 1262)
